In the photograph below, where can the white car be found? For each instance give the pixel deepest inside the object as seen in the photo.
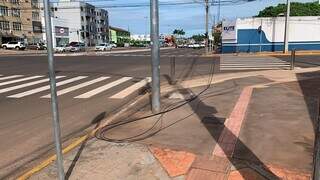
(190, 46)
(60, 49)
(103, 47)
(113, 45)
(14, 45)
(196, 45)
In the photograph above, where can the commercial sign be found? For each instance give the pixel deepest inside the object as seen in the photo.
(61, 31)
(229, 31)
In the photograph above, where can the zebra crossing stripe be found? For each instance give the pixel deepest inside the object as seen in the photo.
(10, 77)
(252, 66)
(70, 89)
(43, 88)
(103, 88)
(131, 89)
(27, 84)
(19, 80)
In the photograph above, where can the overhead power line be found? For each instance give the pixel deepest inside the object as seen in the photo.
(212, 3)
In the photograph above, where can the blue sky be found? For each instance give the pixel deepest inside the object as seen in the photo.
(189, 17)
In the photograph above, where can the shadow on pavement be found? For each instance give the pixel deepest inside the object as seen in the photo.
(310, 89)
(97, 121)
(208, 118)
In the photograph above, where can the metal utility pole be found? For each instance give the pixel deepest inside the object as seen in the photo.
(219, 9)
(286, 29)
(155, 55)
(207, 26)
(53, 90)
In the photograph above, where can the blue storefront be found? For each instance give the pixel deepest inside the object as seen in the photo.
(255, 40)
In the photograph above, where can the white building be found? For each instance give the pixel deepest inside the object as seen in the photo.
(140, 37)
(60, 31)
(85, 22)
(267, 34)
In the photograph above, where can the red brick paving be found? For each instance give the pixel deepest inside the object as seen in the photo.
(217, 164)
(199, 174)
(176, 163)
(286, 174)
(228, 138)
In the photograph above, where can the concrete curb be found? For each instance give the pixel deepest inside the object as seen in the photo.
(127, 105)
(298, 53)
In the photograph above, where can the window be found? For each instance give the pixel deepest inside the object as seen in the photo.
(37, 26)
(82, 28)
(16, 26)
(15, 12)
(4, 25)
(35, 15)
(81, 8)
(34, 3)
(14, 1)
(3, 11)
(82, 19)
(56, 9)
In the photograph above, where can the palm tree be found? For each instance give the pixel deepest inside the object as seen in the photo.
(179, 32)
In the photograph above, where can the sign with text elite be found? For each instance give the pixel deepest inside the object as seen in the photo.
(229, 31)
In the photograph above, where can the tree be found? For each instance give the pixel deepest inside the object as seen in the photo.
(179, 32)
(199, 37)
(297, 9)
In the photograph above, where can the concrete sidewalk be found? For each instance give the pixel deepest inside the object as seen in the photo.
(260, 125)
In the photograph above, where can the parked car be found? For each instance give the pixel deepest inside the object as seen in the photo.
(60, 49)
(180, 46)
(196, 45)
(14, 45)
(37, 46)
(75, 47)
(113, 45)
(190, 46)
(103, 47)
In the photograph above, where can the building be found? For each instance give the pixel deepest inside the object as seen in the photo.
(86, 23)
(20, 21)
(118, 35)
(60, 31)
(267, 34)
(140, 37)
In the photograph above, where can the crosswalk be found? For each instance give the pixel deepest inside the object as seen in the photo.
(81, 87)
(245, 64)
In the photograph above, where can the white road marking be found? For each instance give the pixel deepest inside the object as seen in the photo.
(19, 80)
(70, 89)
(10, 77)
(131, 89)
(240, 68)
(27, 84)
(103, 88)
(252, 66)
(43, 88)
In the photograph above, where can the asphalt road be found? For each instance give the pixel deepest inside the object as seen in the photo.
(91, 88)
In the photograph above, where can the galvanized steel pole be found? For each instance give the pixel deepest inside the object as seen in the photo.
(155, 55)
(286, 30)
(54, 100)
(207, 26)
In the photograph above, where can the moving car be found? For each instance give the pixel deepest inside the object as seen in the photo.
(103, 47)
(14, 45)
(36, 46)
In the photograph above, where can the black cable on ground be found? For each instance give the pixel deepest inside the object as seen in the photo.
(101, 134)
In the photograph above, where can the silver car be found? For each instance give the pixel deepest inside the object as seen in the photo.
(103, 47)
